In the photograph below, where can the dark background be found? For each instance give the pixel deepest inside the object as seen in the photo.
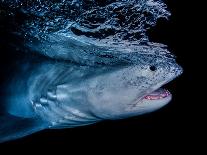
(175, 126)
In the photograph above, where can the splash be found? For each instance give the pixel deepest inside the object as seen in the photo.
(77, 30)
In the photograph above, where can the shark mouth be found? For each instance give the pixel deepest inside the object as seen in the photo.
(158, 94)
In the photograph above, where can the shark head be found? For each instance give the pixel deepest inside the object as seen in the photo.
(135, 89)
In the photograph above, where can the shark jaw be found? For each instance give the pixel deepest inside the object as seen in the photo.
(158, 94)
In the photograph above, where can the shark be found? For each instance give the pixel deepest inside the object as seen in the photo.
(78, 71)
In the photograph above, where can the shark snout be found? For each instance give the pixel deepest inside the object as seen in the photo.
(177, 70)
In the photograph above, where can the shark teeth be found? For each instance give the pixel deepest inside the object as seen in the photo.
(158, 94)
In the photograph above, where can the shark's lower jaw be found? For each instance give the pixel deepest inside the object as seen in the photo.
(158, 94)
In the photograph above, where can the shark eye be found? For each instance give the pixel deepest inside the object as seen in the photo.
(153, 68)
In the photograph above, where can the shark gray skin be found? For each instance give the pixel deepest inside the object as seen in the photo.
(88, 75)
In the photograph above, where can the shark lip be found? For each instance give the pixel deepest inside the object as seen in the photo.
(158, 94)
